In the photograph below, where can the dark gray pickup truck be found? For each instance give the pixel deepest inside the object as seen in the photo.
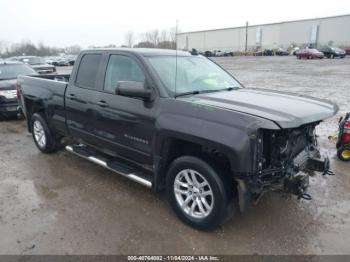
(178, 122)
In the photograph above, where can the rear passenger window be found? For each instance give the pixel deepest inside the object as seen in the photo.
(87, 72)
(122, 68)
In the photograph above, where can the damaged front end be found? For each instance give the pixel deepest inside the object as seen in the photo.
(286, 159)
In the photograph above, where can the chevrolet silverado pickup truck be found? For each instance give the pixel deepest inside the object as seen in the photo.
(177, 121)
(37, 63)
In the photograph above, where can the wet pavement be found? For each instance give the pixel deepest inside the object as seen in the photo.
(61, 204)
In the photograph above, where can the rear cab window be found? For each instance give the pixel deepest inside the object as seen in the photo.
(88, 71)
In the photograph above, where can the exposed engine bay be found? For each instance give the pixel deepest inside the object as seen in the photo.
(286, 159)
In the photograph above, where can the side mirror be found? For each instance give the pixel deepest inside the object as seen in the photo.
(133, 89)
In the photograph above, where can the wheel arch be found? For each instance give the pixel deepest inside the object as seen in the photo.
(172, 147)
(32, 107)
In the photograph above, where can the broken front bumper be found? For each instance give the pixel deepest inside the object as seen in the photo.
(304, 166)
(295, 178)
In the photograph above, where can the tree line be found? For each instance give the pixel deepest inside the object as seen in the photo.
(27, 48)
(165, 38)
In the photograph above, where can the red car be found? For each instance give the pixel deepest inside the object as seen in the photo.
(310, 54)
(347, 50)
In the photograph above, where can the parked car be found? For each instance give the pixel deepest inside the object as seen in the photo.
(266, 52)
(37, 63)
(63, 62)
(210, 143)
(228, 53)
(309, 54)
(208, 54)
(347, 50)
(281, 52)
(332, 52)
(71, 60)
(9, 71)
(294, 51)
(218, 53)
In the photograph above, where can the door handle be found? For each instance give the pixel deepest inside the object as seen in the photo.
(102, 104)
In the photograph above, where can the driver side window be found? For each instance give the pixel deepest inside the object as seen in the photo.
(121, 68)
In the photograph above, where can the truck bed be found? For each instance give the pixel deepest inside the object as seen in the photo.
(48, 91)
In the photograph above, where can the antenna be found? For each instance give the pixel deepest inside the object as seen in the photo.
(176, 55)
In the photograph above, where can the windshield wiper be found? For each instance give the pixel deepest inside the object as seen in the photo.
(196, 92)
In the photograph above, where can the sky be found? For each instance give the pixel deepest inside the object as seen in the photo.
(62, 23)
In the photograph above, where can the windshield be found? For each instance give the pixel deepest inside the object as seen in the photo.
(193, 74)
(13, 71)
(33, 60)
(336, 49)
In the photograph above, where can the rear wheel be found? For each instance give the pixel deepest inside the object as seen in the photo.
(197, 193)
(44, 138)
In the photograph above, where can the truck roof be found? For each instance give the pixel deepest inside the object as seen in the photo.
(145, 51)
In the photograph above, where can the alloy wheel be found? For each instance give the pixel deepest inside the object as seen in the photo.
(39, 133)
(193, 193)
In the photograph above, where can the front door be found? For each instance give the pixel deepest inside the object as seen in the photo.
(125, 125)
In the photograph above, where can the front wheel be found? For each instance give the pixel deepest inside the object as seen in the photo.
(197, 193)
(44, 138)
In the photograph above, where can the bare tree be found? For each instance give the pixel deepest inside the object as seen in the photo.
(73, 50)
(164, 36)
(172, 33)
(4, 45)
(158, 39)
(129, 39)
(152, 37)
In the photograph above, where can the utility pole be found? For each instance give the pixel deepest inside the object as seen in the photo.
(246, 37)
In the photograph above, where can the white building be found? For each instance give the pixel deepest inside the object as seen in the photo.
(319, 31)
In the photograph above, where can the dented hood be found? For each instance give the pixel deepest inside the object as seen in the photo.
(285, 109)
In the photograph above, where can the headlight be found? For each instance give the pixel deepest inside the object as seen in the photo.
(8, 94)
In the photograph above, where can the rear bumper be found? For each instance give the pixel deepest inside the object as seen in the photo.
(9, 108)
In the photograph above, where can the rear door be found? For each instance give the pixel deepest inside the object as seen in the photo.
(125, 125)
(81, 95)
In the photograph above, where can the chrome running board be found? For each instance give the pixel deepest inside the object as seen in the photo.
(119, 168)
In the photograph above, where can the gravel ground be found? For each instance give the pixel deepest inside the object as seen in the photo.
(61, 204)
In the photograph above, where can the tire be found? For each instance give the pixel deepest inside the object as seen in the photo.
(343, 153)
(207, 214)
(44, 139)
